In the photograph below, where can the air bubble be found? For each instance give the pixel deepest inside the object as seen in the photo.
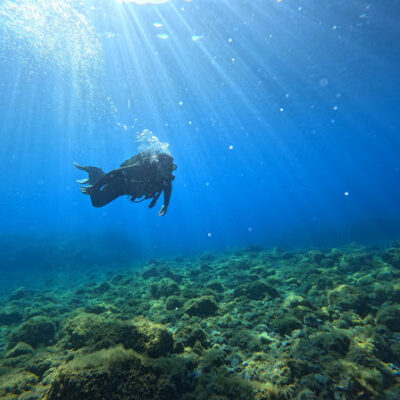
(323, 82)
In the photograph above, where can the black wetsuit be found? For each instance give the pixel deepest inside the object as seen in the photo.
(144, 176)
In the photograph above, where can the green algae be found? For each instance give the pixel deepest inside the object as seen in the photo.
(165, 288)
(35, 332)
(251, 324)
(204, 306)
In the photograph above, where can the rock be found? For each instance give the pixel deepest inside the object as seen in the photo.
(292, 301)
(211, 359)
(173, 302)
(10, 317)
(390, 316)
(245, 340)
(350, 263)
(286, 323)
(158, 340)
(117, 279)
(380, 293)
(292, 281)
(189, 335)
(255, 290)
(216, 286)
(191, 293)
(121, 374)
(255, 248)
(316, 256)
(16, 384)
(20, 349)
(335, 253)
(172, 275)
(265, 338)
(207, 257)
(35, 332)
(93, 332)
(22, 293)
(392, 256)
(298, 368)
(166, 287)
(347, 298)
(306, 394)
(334, 341)
(102, 288)
(204, 306)
(99, 308)
(150, 272)
(311, 321)
(329, 345)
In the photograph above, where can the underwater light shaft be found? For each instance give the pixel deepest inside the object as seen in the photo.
(255, 110)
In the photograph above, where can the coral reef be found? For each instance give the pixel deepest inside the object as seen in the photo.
(252, 324)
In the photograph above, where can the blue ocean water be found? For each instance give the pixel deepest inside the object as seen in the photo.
(282, 116)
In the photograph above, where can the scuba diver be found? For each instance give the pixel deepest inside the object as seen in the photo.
(146, 175)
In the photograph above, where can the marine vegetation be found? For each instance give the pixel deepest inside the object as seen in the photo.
(251, 324)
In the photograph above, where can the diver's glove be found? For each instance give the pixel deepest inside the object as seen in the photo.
(87, 189)
(163, 211)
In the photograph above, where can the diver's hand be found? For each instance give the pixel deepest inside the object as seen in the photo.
(87, 189)
(163, 211)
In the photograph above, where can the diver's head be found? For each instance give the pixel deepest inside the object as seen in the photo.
(165, 162)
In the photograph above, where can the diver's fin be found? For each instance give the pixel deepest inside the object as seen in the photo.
(81, 167)
(95, 174)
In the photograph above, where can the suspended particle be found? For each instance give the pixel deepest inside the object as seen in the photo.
(209, 234)
(346, 193)
(230, 147)
(181, 103)
(163, 36)
(323, 82)
(281, 109)
(230, 40)
(196, 38)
